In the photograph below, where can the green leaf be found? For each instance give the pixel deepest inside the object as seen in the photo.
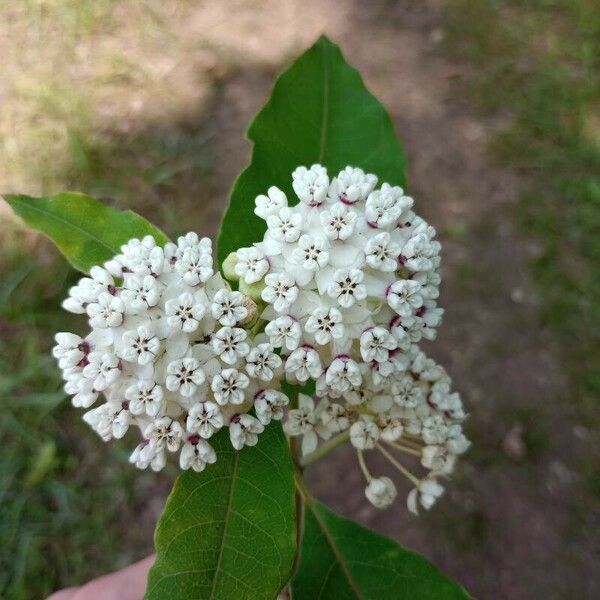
(342, 560)
(319, 111)
(229, 532)
(86, 231)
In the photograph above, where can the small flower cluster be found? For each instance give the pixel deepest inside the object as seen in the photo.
(349, 278)
(168, 352)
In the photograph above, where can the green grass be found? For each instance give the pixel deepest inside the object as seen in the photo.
(537, 65)
(65, 497)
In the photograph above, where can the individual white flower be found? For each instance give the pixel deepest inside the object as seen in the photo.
(384, 207)
(347, 287)
(407, 393)
(376, 344)
(184, 376)
(102, 368)
(364, 434)
(195, 265)
(381, 253)
(312, 252)
(285, 225)
(139, 293)
(82, 390)
(70, 349)
(404, 297)
(262, 362)
(418, 252)
(338, 222)
(457, 443)
(229, 344)
(147, 455)
(140, 345)
(145, 397)
(302, 363)
(252, 265)
(343, 374)
(303, 421)
(391, 427)
(380, 492)
(109, 420)
(335, 417)
(269, 405)
(284, 331)
(271, 203)
(244, 430)
(325, 323)
(311, 185)
(434, 430)
(184, 312)
(196, 454)
(165, 432)
(438, 459)
(106, 312)
(228, 307)
(204, 418)
(281, 291)
(351, 185)
(425, 494)
(228, 386)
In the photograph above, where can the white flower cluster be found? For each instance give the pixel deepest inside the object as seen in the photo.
(168, 352)
(349, 278)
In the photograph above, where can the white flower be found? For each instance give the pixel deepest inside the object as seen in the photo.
(404, 297)
(391, 427)
(140, 345)
(284, 331)
(425, 494)
(269, 405)
(364, 434)
(108, 421)
(147, 455)
(270, 204)
(228, 386)
(407, 393)
(343, 374)
(252, 264)
(338, 222)
(382, 253)
(262, 362)
(335, 418)
(145, 397)
(303, 363)
(204, 418)
(243, 431)
(70, 349)
(438, 459)
(325, 324)
(434, 430)
(228, 307)
(184, 376)
(196, 454)
(281, 291)
(380, 492)
(311, 253)
(418, 252)
(184, 312)
(106, 312)
(351, 185)
(139, 293)
(376, 343)
(347, 287)
(229, 344)
(303, 421)
(103, 369)
(195, 265)
(384, 207)
(285, 225)
(311, 185)
(165, 433)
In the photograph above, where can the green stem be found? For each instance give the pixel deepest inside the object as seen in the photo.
(324, 449)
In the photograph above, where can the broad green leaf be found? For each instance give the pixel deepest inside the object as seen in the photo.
(319, 111)
(341, 560)
(86, 231)
(229, 532)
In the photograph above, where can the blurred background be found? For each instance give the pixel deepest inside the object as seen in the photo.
(145, 103)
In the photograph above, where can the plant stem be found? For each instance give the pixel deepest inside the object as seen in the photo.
(324, 449)
(398, 465)
(363, 466)
(406, 449)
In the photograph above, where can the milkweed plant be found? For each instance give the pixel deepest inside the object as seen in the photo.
(304, 330)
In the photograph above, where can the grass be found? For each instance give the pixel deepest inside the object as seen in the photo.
(536, 66)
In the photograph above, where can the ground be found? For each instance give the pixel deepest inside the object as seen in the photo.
(146, 104)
